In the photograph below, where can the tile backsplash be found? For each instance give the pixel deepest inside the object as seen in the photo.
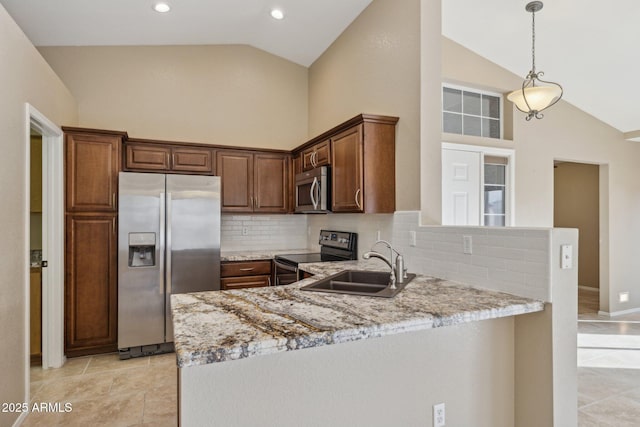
(263, 232)
(514, 260)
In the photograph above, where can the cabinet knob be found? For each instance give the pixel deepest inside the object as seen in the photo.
(358, 199)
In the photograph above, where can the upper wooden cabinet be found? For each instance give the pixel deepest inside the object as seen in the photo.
(271, 182)
(347, 177)
(362, 159)
(317, 155)
(92, 163)
(236, 170)
(149, 157)
(253, 181)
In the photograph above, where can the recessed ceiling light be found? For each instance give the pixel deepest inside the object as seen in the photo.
(277, 14)
(161, 7)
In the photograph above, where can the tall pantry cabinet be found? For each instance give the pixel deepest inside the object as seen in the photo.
(92, 164)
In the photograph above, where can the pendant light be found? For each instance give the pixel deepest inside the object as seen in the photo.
(536, 95)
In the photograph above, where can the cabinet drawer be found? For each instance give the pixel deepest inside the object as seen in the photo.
(245, 282)
(241, 268)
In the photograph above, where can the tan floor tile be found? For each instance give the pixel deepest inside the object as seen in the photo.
(161, 412)
(584, 400)
(113, 412)
(75, 388)
(159, 380)
(168, 359)
(622, 410)
(111, 362)
(34, 387)
(602, 383)
(43, 419)
(75, 366)
(586, 420)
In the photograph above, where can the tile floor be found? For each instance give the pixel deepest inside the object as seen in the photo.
(106, 391)
(608, 366)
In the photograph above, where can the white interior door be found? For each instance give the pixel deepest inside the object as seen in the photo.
(461, 187)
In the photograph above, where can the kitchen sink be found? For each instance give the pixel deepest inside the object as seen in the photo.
(356, 282)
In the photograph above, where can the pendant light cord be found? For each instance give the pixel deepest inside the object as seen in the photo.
(533, 42)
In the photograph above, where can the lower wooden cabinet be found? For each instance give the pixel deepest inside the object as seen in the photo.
(91, 292)
(245, 274)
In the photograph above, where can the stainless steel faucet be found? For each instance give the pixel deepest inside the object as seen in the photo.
(398, 271)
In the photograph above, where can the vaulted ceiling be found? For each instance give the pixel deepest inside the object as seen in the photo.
(589, 47)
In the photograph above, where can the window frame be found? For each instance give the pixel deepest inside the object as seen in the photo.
(470, 89)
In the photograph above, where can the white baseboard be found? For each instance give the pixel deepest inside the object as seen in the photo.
(588, 288)
(619, 313)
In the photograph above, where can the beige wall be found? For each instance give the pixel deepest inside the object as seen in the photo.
(24, 77)
(569, 134)
(229, 95)
(576, 205)
(374, 67)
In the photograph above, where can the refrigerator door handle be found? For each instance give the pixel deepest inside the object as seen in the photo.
(162, 243)
(168, 254)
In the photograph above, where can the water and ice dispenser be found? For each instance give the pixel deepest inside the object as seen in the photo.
(142, 249)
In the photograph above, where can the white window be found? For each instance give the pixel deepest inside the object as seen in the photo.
(477, 185)
(467, 111)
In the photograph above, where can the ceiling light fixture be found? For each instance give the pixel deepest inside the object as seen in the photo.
(277, 14)
(161, 7)
(536, 95)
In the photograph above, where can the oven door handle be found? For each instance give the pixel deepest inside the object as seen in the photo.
(286, 267)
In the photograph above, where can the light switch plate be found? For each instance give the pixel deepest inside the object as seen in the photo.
(566, 257)
(467, 245)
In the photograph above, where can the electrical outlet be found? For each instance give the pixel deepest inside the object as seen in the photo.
(412, 238)
(245, 231)
(467, 244)
(623, 297)
(378, 235)
(438, 415)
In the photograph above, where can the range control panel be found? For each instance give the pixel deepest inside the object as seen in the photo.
(338, 239)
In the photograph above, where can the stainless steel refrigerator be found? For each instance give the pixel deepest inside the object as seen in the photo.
(168, 243)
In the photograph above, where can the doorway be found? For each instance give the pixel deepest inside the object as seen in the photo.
(48, 224)
(577, 205)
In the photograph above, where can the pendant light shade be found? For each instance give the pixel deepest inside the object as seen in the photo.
(535, 95)
(535, 98)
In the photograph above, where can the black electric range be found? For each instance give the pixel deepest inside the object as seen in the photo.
(334, 246)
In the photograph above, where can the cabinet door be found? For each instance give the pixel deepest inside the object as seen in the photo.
(147, 157)
(236, 171)
(318, 155)
(92, 165)
(346, 171)
(91, 311)
(195, 159)
(271, 181)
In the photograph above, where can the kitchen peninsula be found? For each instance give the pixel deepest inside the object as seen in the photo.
(389, 381)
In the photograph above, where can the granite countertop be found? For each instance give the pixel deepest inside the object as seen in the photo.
(219, 326)
(258, 255)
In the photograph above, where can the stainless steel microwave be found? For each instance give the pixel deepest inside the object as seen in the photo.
(313, 191)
